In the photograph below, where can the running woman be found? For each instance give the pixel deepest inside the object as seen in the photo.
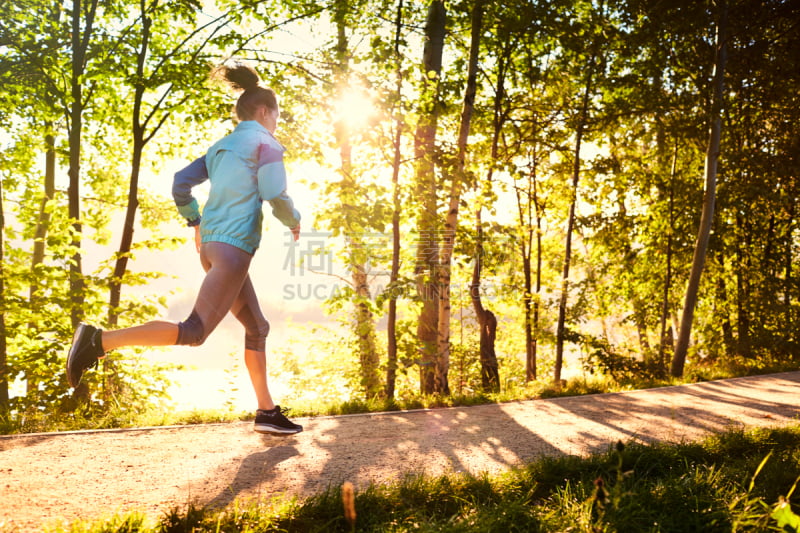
(245, 168)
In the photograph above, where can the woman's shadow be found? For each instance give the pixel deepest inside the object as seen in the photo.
(254, 470)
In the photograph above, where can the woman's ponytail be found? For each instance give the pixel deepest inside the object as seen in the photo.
(242, 77)
(239, 76)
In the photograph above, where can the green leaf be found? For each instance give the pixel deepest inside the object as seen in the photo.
(787, 520)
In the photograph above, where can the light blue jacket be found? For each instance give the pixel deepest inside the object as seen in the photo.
(245, 168)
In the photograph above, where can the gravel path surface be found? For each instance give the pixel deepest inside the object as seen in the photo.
(47, 478)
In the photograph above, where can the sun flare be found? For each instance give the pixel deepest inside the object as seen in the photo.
(354, 108)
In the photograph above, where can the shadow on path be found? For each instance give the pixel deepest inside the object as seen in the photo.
(256, 469)
(696, 408)
(383, 447)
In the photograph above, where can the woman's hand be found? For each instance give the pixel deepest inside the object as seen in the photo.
(197, 238)
(296, 232)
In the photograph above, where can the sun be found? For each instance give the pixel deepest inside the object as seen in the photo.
(354, 108)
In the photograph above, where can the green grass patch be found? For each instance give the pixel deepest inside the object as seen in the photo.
(37, 421)
(56, 420)
(734, 482)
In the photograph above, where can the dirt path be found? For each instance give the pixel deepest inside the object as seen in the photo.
(45, 478)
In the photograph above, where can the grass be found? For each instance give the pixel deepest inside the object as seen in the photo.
(54, 420)
(732, 482)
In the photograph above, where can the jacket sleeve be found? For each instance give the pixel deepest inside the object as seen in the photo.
(186, 178)
(272, 185)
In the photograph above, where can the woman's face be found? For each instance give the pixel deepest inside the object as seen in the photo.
(268, 118)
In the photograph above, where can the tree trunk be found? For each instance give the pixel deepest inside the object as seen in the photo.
(490, 374)
(527, 302)
(40, 235)
(43, 222)
(80, 44)
(487, 322)
(576, 169)
(451, 219)
(526, 243)
(138, 131)
(4, 370)
(704, 233)
(788, 281)
(665, 343)
(639, 318)
(743, 292)
(364, 326)
(391, 326)
(537, 303)
(424, 154)
(123, 254)
(722, 297)
(365, 334)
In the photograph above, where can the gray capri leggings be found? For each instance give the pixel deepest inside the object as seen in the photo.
(226, 287)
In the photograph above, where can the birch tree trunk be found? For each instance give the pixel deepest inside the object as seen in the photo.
(451, 219)
(704, 232)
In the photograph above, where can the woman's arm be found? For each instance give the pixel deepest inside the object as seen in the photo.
(186, 178)
(272, 185)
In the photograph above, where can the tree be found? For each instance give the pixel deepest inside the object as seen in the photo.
(82, 20)
(529, 110)
(425, 269)
(750, 250)
(704, 232)
(590, 68)
(4, 370)
(665, 344)
(48, 79)
(531, 208)
(394, 276)
(354, 229)
(487, 320)
(458, 180)
(165, 68)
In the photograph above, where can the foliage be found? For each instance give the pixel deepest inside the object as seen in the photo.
(85, 116)
(621, 367)
(142, 84)
(36, 354)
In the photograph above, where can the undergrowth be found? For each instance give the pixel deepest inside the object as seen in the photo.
(35, 421)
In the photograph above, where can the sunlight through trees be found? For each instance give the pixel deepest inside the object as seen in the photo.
(507, 192)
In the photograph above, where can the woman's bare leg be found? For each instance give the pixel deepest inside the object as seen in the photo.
(226, 270)
(256, 363)
(155, 333)
(246, 309)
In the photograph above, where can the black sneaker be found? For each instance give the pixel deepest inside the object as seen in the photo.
(84, 353)
(274, 422)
